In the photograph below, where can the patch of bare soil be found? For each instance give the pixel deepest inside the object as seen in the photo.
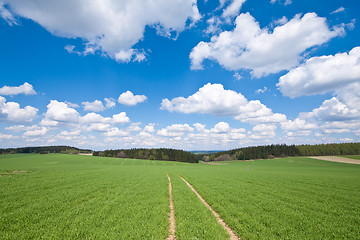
(21, 171)
(8, 174)
(233, 236)
(171, 215)
(215, 163)
(337, 159)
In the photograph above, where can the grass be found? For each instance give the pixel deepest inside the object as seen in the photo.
(294, 198)
(85, 197)
(72, 197)
(193, 219)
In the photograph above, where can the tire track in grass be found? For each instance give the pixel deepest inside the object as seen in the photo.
(233, 236)
(172, 214)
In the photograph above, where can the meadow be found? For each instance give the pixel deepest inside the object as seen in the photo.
(58, 196)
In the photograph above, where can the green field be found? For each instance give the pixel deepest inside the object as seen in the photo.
(83, 197)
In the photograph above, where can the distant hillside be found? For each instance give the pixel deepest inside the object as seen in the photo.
(45, 149)
(283, 150)
(151, 154)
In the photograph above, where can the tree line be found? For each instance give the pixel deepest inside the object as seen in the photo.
(166, 154)
(45, 150)
(283, 150)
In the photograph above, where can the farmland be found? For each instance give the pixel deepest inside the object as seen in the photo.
(70, 196)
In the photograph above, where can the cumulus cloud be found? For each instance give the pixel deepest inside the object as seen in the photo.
(11, 112)
(251, 48)
(97, 118)
(7, 136)
(221, 127)
(116, 132)
(175, 130)
(214, 99)
(322, 74)
(263, 131)
(333, 110)
(129, 99)
(36, 132)
(112, 27)
(26, 89)
(95, 106)
(297, 124)
(60, 112)
(150, 128)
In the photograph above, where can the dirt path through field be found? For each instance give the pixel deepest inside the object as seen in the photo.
(172, 214)
(337, 159)
(233, 236)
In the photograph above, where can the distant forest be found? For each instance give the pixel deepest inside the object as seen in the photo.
(45, 149)
(166, 154)
(151, 154)
(283, 150)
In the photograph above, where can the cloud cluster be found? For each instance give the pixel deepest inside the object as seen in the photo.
(214, 99)
(129, 99)
(26, 89)
(249, 47)
(11, 112)
(112, 27)
(319, 75)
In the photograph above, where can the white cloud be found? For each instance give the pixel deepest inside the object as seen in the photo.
(121, 118)
(331, 131)
(237, 76)
(73, 105)
(149, 128)
(175, 130)
(11, 112)
(263, 131)
(347, 140)
(110, 102)
(71, 133)
(26, 89)
(7, 16)
(261, 90)
(95, 106)
(134, 127)
(221, 127)
(297, 124)
(116, 132)
(112, 27)
(97, 118)
(99, 127)
(285, 2)
(233, 9)
(7, 136)
(263, 52)
(319, 75)
(60, 112)
(214, 99)
(340, 9)
(280, 21)
(333, 110)
(128, 98)
(36, 133)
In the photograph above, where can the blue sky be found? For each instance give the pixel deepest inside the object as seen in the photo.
(182, 74)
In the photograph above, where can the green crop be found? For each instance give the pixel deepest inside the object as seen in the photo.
(57, 196)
